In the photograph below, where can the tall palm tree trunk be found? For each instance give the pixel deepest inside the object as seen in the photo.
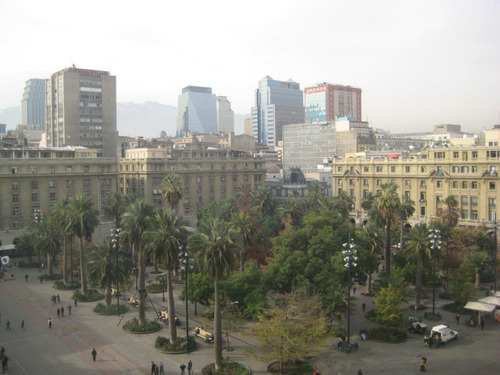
(108, 293)
(370, 284)
(387, 249)
(142, 286)
(217, 327)
(49, 264)
(418, 281)
(83, 275)
(65, 260)
(478, 279)
(172, 329)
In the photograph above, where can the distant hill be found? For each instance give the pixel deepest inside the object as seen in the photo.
(134, 119)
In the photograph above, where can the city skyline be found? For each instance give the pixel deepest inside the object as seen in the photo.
(417, 63)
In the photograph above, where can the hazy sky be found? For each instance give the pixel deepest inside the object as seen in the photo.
(419, 63)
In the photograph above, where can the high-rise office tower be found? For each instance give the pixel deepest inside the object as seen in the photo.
(81, 110)
(326, 102)
(277, 103)
(197, 111)
(33, 103)
(225, 115)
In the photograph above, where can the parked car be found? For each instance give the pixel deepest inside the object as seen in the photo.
(439, 335)
(416, 326)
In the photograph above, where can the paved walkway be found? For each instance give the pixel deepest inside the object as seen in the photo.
(65, 349)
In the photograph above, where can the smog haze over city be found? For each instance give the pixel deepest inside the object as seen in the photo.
(419, 63)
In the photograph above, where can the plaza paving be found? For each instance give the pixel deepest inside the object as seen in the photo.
(65, 349)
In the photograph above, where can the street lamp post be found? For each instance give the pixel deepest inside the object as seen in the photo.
(350, 258)
(38, 219)
(184, 259)
(116, 245)
(435, 237)
(494, 229)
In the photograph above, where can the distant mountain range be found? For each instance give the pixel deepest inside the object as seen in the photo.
(147, 119)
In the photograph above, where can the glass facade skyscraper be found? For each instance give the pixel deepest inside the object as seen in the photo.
(277, 103)
(33, 103)
(197, 111)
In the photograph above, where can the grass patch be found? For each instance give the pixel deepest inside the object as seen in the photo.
(92, 296)
(163, 343)
(385, 334)
(54, 276)
(59, 284)
(102, 309)
(291, 368)
(454, 307)
(228, 368)
(134, 326)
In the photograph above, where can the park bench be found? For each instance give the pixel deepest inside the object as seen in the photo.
(114, 292)
(133, 301)
(163, 315)
(205, 335)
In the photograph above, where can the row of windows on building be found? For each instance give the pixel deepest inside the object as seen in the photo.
(423, 169)
(52, 169)
(184, 167)
(69, 184)
(423, 183)
(211, 179)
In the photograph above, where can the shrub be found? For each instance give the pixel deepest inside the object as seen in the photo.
(229, 368)
(134, 326)
(23, 264)
(394, 335)
(92, 296)
(102, 309)
(155, 288)
(59, 284)
(163, 343)
(454, 307)
(292, 368)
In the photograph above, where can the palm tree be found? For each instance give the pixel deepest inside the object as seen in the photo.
(135, 222)
(48, 239)
(244, 225)
(314, 195)
(101, 268)
(264, 199)
(418, 250)
(82, 219)
(451, 214)
(59, 213)
(25, 245)
(164, 237)
(115, 208)
(343, 203)
(406, 210)
(387, 204)
(367, 201)
(479, 262)
(374, 244)
(214, 253)
(171, 189)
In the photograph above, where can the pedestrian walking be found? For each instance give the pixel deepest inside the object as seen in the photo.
(75, 302)
(7, 324)
(153, 368)
(26, 277)
(353, 290)
(481, 323)
(22, 325)
(5, 363)
(183, 369)
(62, 310)
(363, 306)
(423, 362)
(94, 354)
(360, 372)
(161, 369)
(69, 309)
(190, 368)
(58, 312)
(58, 298)
(457, 318)
(50, 323)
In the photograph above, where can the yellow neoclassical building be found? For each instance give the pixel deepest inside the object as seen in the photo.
(470, 174)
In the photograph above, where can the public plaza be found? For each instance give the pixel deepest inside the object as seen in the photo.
(66, 347)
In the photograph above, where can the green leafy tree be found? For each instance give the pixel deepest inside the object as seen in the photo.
(291, 329)
(373, 243)
(244, 225)
(264, 201)
(460, 287)
(387, 204)
(48, 240)
(451, 213)
(25, 245)
(418, 250)
(388, 302)
(214, 252)
(406, 211)
(164, 237)
(171, 189)
(82, 219)
(135, 222)
(477, 262)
